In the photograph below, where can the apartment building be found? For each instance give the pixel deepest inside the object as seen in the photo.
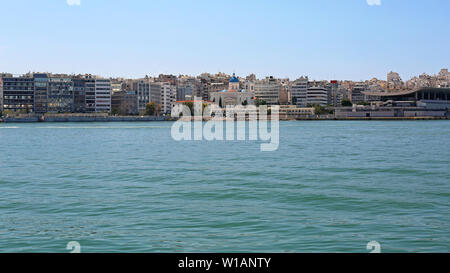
(168, 96)
(268, 90)
(18, 94)
(317, 96)
(60, 97)
(298, 90)
(102, 95)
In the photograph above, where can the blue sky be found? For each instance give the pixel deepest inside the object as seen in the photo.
(324, 39)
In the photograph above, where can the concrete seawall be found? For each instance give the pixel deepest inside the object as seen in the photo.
(65, 118)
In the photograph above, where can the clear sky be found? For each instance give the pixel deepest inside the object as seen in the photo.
(324, 39)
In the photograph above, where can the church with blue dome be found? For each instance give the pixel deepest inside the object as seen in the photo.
(233, 95)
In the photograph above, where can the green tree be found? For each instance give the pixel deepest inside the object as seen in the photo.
(321, 110)
(259, 102)
(347, 103)
(114, 111)
(150, 109)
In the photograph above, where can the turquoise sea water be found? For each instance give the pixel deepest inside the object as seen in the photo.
(332, 186)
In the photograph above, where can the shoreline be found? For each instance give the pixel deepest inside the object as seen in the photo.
(87, 119)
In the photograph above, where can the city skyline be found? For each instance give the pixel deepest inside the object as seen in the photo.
(356, 40)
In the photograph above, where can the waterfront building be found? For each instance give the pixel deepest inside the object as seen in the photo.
(18, 94)
(142, 88)
(268, 90)
(89, 88)
(60, 97)
(287, 112)
(336, 94)
(124, 103)
(427, 94)
(298, 89)
(79, 95)
(233, 95)
(155, 92)
(317, 96)
(40, 93)
(102, 95)
(168, 97)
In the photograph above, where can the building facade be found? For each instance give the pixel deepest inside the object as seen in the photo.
(142, 88)
(18, 94)
(168, 96)
(268, 90)
(102, 95)
(124, 103)
(298, 90)
(60, 98)
(317, 96)
(79, 95)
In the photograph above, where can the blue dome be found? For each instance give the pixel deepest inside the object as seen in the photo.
(234, 79)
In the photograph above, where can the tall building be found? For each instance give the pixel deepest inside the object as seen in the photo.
(298, 91)
(336, 95)
(89, 91)
(79, 95)
(102, 95)
(60, 98)
(18, 94)
(142, 88)
(268, 90)
(168, 94)
(155, 93)
(40, 93)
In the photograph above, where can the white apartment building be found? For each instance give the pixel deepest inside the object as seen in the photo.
(168, 97)
(298, 89)
(102, 95)
(317, 95)
(268, 90)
